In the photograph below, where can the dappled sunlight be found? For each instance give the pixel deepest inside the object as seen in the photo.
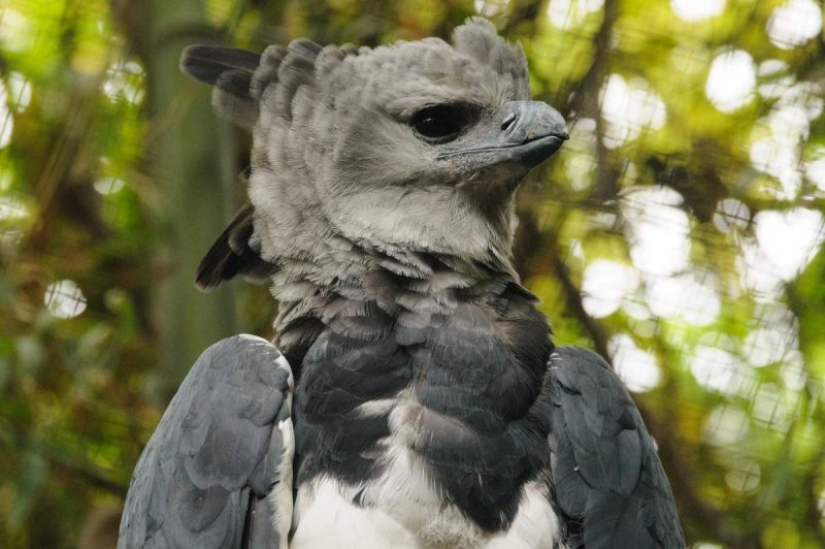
(565, 14)
(774, 78)
(580, 164)
(13, 208)
(637, 368)
(629, 107)
(722, 371)
(743, 475)
(19, 92)
(771, 408)
(697, 10)
(64, 299)
(794, 23)
(815, 172)
(726, 425)
(731, 215)
(789, 124)
(109, 185)
(124, 81)
(815, 169)
(606, 284)
(6, 120)
(657, 229)
(731, 80)
(768, 345)
(16, 30)
(489, 8)
(792, 371)
(693, 297)
(791, 239)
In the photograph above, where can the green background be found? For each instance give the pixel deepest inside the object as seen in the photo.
(679, 233)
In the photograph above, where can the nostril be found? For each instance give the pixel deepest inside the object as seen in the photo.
(508, 121)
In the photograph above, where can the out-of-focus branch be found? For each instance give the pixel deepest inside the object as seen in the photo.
(573, 298)
(682, 476)
(799, 306)
(524, 12)
(586, 102)
(88, 474)
(583, 103)
(85, 472)
(814, 515)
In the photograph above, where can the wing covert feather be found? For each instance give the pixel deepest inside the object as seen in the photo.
(205, 477)
(236, 251)
(608, 482)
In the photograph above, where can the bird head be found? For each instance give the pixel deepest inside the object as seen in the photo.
(415, 145)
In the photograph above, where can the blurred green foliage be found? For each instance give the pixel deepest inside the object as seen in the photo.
(679, 232)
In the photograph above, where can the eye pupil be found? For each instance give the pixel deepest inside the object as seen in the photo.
(434, 127)
(441, 123)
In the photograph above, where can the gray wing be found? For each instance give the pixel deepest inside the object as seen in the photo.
(217, 472)
(607, 480)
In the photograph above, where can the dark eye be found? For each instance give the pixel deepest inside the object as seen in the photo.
(442, 123)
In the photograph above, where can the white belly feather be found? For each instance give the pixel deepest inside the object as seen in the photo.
(404, 509)
(327, 518)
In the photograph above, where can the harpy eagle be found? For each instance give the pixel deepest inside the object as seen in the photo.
(413, 397)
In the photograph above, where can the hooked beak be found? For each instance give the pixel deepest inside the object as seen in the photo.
(531, 132)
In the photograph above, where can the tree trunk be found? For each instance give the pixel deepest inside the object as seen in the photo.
(191, 161)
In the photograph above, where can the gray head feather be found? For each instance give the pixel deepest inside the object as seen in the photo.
(350, 144)
(334, 153)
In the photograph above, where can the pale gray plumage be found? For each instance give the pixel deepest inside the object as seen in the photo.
(204, 477)
(431, 408)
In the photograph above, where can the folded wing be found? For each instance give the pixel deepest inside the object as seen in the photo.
(607, 481)
(217, 472)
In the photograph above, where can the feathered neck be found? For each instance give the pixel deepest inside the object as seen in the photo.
(342, 278)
